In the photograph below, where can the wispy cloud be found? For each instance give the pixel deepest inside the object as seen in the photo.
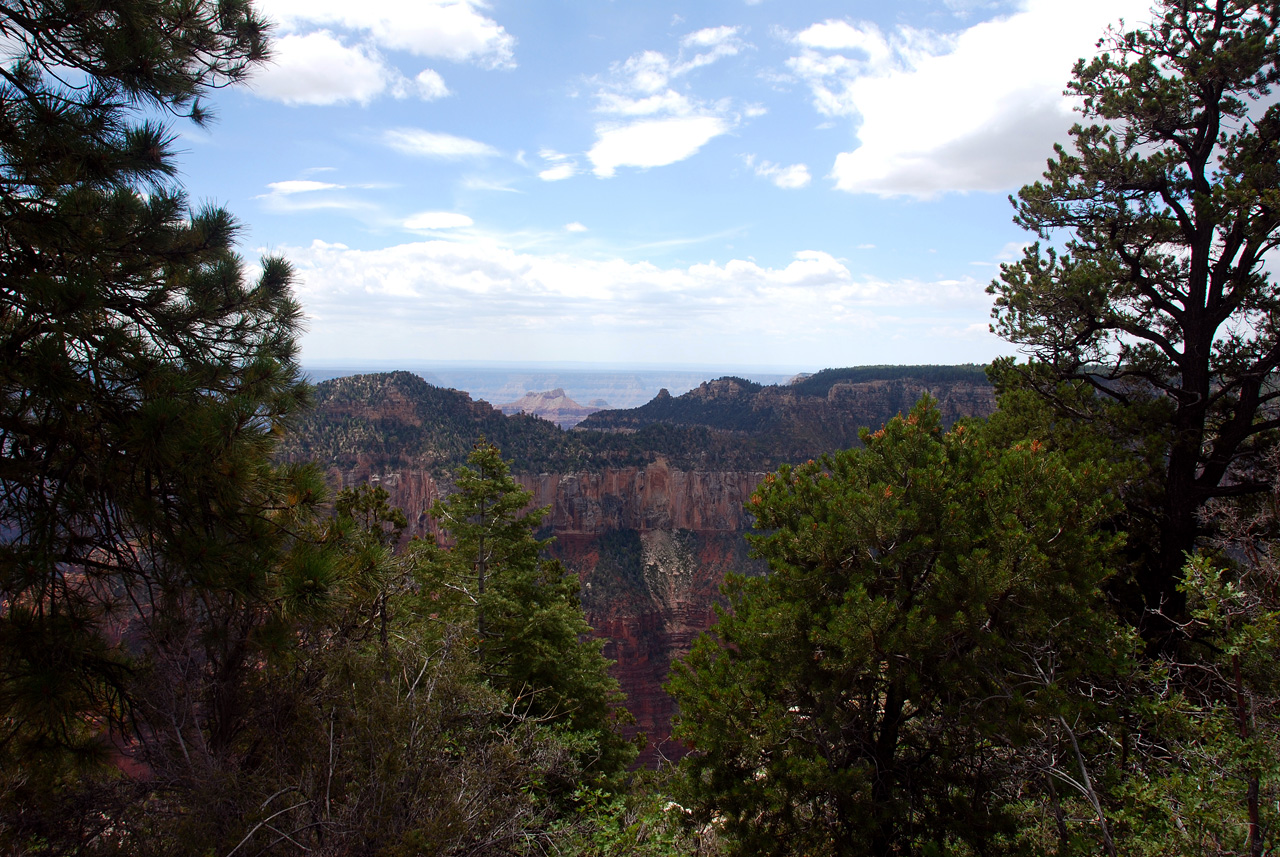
(431, 144)
(301, 186)
(788, 178)
(438, 220)
(559, 166)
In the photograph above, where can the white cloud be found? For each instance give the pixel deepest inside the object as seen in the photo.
(301, 186)
(430, 144)
(295, 196)
(652, 143)
(787, 178)
(430, 85)
(575, 227)
(450, 29)
(438, 220)
(979, 111)
(721, 41)
(669, 102)
(559, 172)
(319, 69)
(478, 298)
(647, 72)
(562, 166)
(842, 35)
(655, 125)
(479, 278)
(709, 37)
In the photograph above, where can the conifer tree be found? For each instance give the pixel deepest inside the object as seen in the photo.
(1159, 302)
(931, 599)
(144, 376)
(532, 639)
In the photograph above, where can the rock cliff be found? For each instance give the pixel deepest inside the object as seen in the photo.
(554, 406)
(648, 509)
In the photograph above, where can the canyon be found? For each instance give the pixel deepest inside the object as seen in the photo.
(647, 505)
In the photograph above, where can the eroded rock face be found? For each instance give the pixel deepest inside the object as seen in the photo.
(554, 406)
(651, 547)
(648, 511)
(655, 497)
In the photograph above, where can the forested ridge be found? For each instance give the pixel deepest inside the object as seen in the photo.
(401, 421)
(1055, 630)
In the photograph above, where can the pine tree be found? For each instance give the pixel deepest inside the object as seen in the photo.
(1160, 303)
(533, 641)
(144, 378)
(931, 599)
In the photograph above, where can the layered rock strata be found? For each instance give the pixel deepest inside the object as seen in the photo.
(650, 546)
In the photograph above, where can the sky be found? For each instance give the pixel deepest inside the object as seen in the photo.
(763, 183)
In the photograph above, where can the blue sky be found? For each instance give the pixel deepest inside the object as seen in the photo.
(732, 182)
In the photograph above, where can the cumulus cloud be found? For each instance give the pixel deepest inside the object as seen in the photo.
(319, 69)
(652, 143)
(445, 277)
(977, 111)
(558, 172)
(787, 178)
(450, 29)
(431, 144)
(575, 227)
(438, 220)
(443, 294)
(430, 85)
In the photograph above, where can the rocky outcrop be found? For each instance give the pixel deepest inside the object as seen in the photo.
(554, 406)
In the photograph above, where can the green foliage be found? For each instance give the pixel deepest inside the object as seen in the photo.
(820, 383)
(643, 822)
(143, 382)
(1159, 292)
(532, 640)
(931, 598)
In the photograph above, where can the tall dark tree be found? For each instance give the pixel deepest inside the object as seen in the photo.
(144, 377)
(532, 639)
(1169, 200)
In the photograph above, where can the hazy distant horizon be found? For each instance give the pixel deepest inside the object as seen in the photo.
(499, 382)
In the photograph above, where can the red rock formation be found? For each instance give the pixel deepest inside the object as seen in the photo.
(553, 405)
(651, 547)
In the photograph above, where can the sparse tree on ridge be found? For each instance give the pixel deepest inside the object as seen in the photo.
(1169, 199)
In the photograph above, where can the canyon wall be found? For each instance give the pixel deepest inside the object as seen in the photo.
(650, 546)
(647, 509)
